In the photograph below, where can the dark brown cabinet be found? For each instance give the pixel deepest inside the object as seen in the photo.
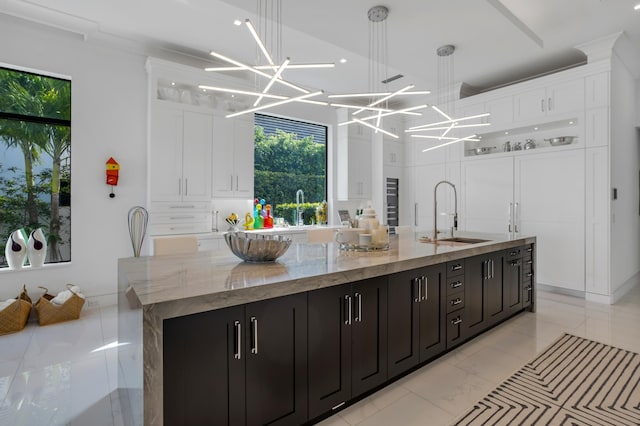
(347, 341)
(528, 261)
(513, 273)
(416, 309)
(240, 365)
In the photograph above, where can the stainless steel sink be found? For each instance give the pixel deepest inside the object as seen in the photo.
(464, 240)
(454, 242)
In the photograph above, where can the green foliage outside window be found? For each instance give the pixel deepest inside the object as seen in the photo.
(285, 163)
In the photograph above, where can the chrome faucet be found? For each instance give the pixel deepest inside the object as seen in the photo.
(299, 218)
(435, 209)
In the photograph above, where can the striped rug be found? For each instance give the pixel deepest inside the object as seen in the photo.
(573, 382)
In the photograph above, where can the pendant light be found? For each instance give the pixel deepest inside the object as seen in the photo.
(270, 75)
(378, 99)
(443, 129)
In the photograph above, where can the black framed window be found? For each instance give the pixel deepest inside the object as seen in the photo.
(35, 160)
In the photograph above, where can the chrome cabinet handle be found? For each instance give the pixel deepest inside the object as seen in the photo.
(515, 263)
(516, 217)
(510, 215)
(456, 321)
(457, 301)
(347, 301)
(425, 281)
(254, 324)
(179, 186)
(514, 253)
(542, 105)
(549, 105)
(416, 290)
(456, 267)
(492, 269)
(530, 274)
(456, 284)
(237, 183)
(530, 249)
(238, 353)
(358, 317)
(530, 262)
(415, 214)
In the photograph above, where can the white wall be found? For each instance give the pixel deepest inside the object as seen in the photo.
(108, 119)
(625, 166)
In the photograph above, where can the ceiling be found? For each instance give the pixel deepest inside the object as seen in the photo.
(495, 40)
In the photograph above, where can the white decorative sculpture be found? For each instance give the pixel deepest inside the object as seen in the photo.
(16, 250)
(37, 248)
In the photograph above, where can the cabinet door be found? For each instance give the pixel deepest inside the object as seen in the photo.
(203, 369)
(475, 312)
(223, 178)
(495, 302)
(403, 306)
(565, 97)
(426, 178)
(530, 105)
(369, 335)
(513, 285)
(487, 193)
(329, 342)
(432, 311)
(550, 192)
(196, 156)
(276, 361)
(165, 153)
(501, 111)
(359, 169)
(244, 157)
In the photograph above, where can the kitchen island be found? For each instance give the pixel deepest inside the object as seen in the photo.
(191, 322)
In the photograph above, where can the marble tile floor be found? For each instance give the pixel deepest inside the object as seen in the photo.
(65, 374)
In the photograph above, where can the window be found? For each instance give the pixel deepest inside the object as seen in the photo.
(35, 159)
(290, 155)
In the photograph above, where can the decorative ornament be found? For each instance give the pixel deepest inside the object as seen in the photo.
(37, 248)
(112, 174)
(16, 250)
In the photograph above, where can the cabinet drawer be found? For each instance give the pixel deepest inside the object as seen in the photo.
(455, 284)
(455, 302)
(180, 217)
(180, 228)
(454, 324)
(455, 267)
(515, 253)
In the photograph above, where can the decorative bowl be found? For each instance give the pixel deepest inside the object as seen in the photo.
(257, 247)
(561, 140)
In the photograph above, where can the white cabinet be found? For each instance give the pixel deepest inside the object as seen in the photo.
(180, 154)
(532, 194)
(550, 195)
(360, 172)
(555, 99)
(233, 153)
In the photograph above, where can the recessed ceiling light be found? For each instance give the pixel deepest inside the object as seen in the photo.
(237, 22)
(173, 83)
(636, 7)
(343, 60)
(571, 122)
(535, 128)
(506, 133)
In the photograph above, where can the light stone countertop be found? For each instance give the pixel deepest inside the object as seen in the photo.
(216, 279)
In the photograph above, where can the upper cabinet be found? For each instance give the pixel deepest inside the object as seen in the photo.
(233, 154)
(555, 99)
(360, 172)
(180, 154)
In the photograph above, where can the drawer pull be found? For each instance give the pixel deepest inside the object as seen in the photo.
(530, 262)
(456, 284)
(456, 302)
(456, 321)
(530, 274)
(514, 253)
(254, 346)
(456, 267)
(515, 263)
(238, 353)
(530, 249)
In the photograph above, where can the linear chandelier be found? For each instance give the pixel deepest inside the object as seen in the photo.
(272, 71)
(378, 100)
(445, 100)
